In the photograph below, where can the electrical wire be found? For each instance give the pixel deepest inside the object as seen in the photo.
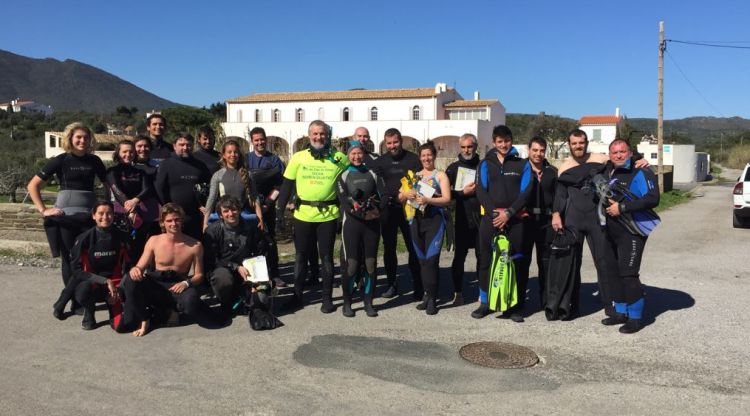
(713, 45)
(693, 85)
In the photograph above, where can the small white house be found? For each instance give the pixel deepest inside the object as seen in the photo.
(438, 113)
(601, 129)
(683, 159)
(26, 106)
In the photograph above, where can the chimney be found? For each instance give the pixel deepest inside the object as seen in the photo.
(476, 95)
(440, 87)
(617, 111)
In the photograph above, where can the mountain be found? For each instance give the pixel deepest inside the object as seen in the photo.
(699, 129)
(70, 85)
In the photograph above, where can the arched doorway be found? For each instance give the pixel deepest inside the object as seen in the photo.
(409, 143)
(277, 146)
(300, 144)
(343, 144)
(447, 146)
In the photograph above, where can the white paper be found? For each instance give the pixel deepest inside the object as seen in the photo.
(425, 189)
(257, 268)
(464, 176)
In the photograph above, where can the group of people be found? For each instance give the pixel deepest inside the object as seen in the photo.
(191, 217)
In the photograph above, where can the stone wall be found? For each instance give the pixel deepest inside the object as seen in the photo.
(20, 217)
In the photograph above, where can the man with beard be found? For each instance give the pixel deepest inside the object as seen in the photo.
(179, 179)
(312, 172)
(206, 153)
(539, 231)
(160, 149)
(392, 166)
(467, 211)
(267, 171)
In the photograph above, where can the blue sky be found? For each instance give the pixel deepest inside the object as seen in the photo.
(563, 57)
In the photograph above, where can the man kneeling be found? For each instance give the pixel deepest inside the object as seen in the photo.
(228, 243)
(160, 280)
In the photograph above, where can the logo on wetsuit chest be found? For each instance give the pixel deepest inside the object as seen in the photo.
(189, 177)
(81, 168)
(511, 174)
(100, 254)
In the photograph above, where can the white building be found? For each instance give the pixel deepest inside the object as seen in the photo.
(601, 129)
(26, 106)
(687, 167)
(438, 113)
(105, 144)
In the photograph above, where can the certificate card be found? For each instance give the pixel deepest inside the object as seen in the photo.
(257, 268)
(464, 176)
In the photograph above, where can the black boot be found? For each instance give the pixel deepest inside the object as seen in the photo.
(368, 289)
(423, 304)
(631, 326)
(58, 309)
(431, 307)
(346, 291)
(88, 322)
(326, 306)
(480, 312)
(615, 319)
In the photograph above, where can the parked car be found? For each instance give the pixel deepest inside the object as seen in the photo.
(741, 196)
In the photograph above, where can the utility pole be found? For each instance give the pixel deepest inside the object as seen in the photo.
(660, 110)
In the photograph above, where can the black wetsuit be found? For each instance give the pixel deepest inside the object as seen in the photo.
(210, 158)
(392, 169)
(126, 182)
(161, 151)
(267, 172)
(150, 225)
(539, 231)
(74, 173)
(467, 217)
(578, 208)
(151, 297)
(98, 254)
(627, 290)
(226, 248)
(361, 197)
(505, 186)
(177, 181)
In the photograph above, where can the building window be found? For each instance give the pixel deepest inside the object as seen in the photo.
(597, 136)
(321, 113)
(276, 115)
(52, 141)
(345, 114)
(239, 116)
(654, 156)
(415, 113)
(300, 115)
(257, 115)
(374, 114)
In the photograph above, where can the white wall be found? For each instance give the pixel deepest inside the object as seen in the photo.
(681, 156)
(609, 133)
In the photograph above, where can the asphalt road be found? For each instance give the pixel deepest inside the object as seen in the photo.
(692, 358)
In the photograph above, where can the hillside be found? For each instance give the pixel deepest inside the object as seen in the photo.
(70, 85)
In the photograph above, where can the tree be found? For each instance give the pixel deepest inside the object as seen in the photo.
(219, 110)
(554, 129)
(188, 119)
(10, 180)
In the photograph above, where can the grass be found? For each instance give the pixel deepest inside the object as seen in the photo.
(673, 198)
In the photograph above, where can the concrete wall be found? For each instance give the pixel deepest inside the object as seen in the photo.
(681, 157)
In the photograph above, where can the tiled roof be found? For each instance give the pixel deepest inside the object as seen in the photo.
(336, 95)
(470, 103)
(588, 120)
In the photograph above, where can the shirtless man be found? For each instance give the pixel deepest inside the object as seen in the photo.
(160, 279)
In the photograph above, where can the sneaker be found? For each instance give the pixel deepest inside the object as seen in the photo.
(391, 292)
(480, 312)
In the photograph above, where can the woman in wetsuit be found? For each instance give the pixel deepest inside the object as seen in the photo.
(233, 179)
(75, 171)
(99, 259)
(143, 162)
(131, 189)
(429, 222)
(362, 198)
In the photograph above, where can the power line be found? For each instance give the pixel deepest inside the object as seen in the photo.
(693, 85)
(713, 45)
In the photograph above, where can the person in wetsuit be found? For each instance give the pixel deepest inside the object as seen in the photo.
(575, 206)
(626, 287)
(205, 152)
(392, 166)
(312, 172)
(234, 179)
(99, 259)
(161, 150)
(159, 282)
(75, 170)
(503, 189)
(178, 181)
(144, 163)
(267, 171)
(129, 187)
(466, 231)
(361, 195)
(539, 231)
(429, 222)
(228, 242)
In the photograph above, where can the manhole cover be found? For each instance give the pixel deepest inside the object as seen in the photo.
(498, 355)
